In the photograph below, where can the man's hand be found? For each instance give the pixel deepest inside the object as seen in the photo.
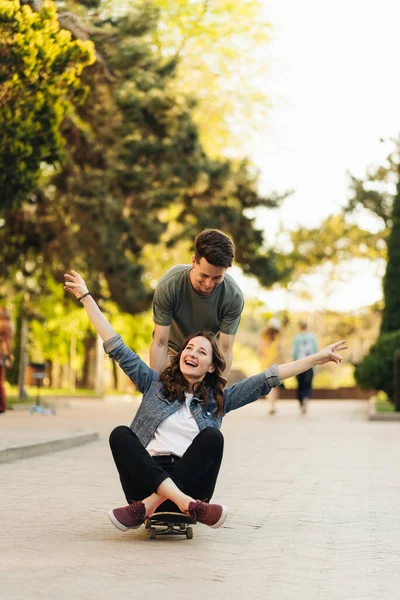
(75, 284)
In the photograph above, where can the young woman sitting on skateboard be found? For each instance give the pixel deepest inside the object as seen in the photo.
(172, 453)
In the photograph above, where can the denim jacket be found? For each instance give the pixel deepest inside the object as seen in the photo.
(154, 407)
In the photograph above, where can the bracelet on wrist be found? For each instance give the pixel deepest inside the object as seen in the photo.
(84, 296)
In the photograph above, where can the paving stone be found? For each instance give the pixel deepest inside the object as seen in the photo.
(313, 512)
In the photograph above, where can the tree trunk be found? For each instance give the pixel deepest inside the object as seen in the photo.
(115, 374)
(23, 358)
(99, 365)
(88, 380)
(72, 359)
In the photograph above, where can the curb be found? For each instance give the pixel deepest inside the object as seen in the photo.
(38, 448)
(375, 416)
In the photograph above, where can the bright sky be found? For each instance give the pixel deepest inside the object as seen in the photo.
(335, 92)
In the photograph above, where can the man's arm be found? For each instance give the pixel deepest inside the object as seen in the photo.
(159, 347)
(226, 343)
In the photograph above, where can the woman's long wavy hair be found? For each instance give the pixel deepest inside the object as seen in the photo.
(174, 384)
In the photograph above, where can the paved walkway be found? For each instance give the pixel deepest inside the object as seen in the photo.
(313, 513)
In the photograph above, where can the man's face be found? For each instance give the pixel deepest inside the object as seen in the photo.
(205, 277)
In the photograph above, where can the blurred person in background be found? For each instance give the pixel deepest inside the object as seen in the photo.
(304, 344)
(6, 356)
(271, 353)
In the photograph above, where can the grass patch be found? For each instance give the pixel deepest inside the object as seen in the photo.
(382, 403)
(12, 394)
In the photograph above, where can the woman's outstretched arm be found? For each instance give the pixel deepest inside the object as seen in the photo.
(250, 389)
(76, 285)
(328, 354)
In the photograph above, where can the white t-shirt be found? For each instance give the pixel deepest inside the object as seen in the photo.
(176, 433)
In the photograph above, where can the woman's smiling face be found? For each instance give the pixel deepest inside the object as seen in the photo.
(196, 359)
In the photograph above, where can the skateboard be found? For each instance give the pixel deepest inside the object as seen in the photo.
(169, 523)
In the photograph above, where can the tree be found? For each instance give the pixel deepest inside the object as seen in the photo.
(335, 240)
(40, 68)
(133, 159)
(375, 193)
(391, 311)
(376, 370)
(380, 194)
(133, 151)
(223, 202)
(222, 62)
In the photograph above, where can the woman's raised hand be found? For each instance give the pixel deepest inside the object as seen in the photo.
(329, 354)
(75, 284)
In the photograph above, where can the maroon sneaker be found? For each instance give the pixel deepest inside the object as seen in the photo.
(128, 517)
(213, 515)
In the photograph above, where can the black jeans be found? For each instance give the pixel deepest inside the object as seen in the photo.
(304, 389)
(195, 473)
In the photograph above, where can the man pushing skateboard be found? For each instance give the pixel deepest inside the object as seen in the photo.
(199, 296)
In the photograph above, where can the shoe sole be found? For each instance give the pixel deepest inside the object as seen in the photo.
(222, 518)
(119, 525)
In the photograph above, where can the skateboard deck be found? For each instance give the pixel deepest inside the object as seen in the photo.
(169, 523)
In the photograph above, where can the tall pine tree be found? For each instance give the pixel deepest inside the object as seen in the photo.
(391, 281)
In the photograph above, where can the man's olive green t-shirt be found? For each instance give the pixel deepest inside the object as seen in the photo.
(175, 303)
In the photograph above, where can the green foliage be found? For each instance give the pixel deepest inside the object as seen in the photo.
(133, 150)
(382, 404)
(391, 312)
(40, 68)
(379, 193)
(334, 241)
(221, 200)
(48, 395)
(50, 337)
(375, 193)
(222, 62)
(136, 330)
(135, 180)
(376, 370)
(132, 154)
(338, 239)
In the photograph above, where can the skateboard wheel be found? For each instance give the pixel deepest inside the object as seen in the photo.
(152, 533)
(189, 533)
(182, 526)
(147, 523)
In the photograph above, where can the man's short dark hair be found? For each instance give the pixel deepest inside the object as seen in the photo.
(216, 247)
